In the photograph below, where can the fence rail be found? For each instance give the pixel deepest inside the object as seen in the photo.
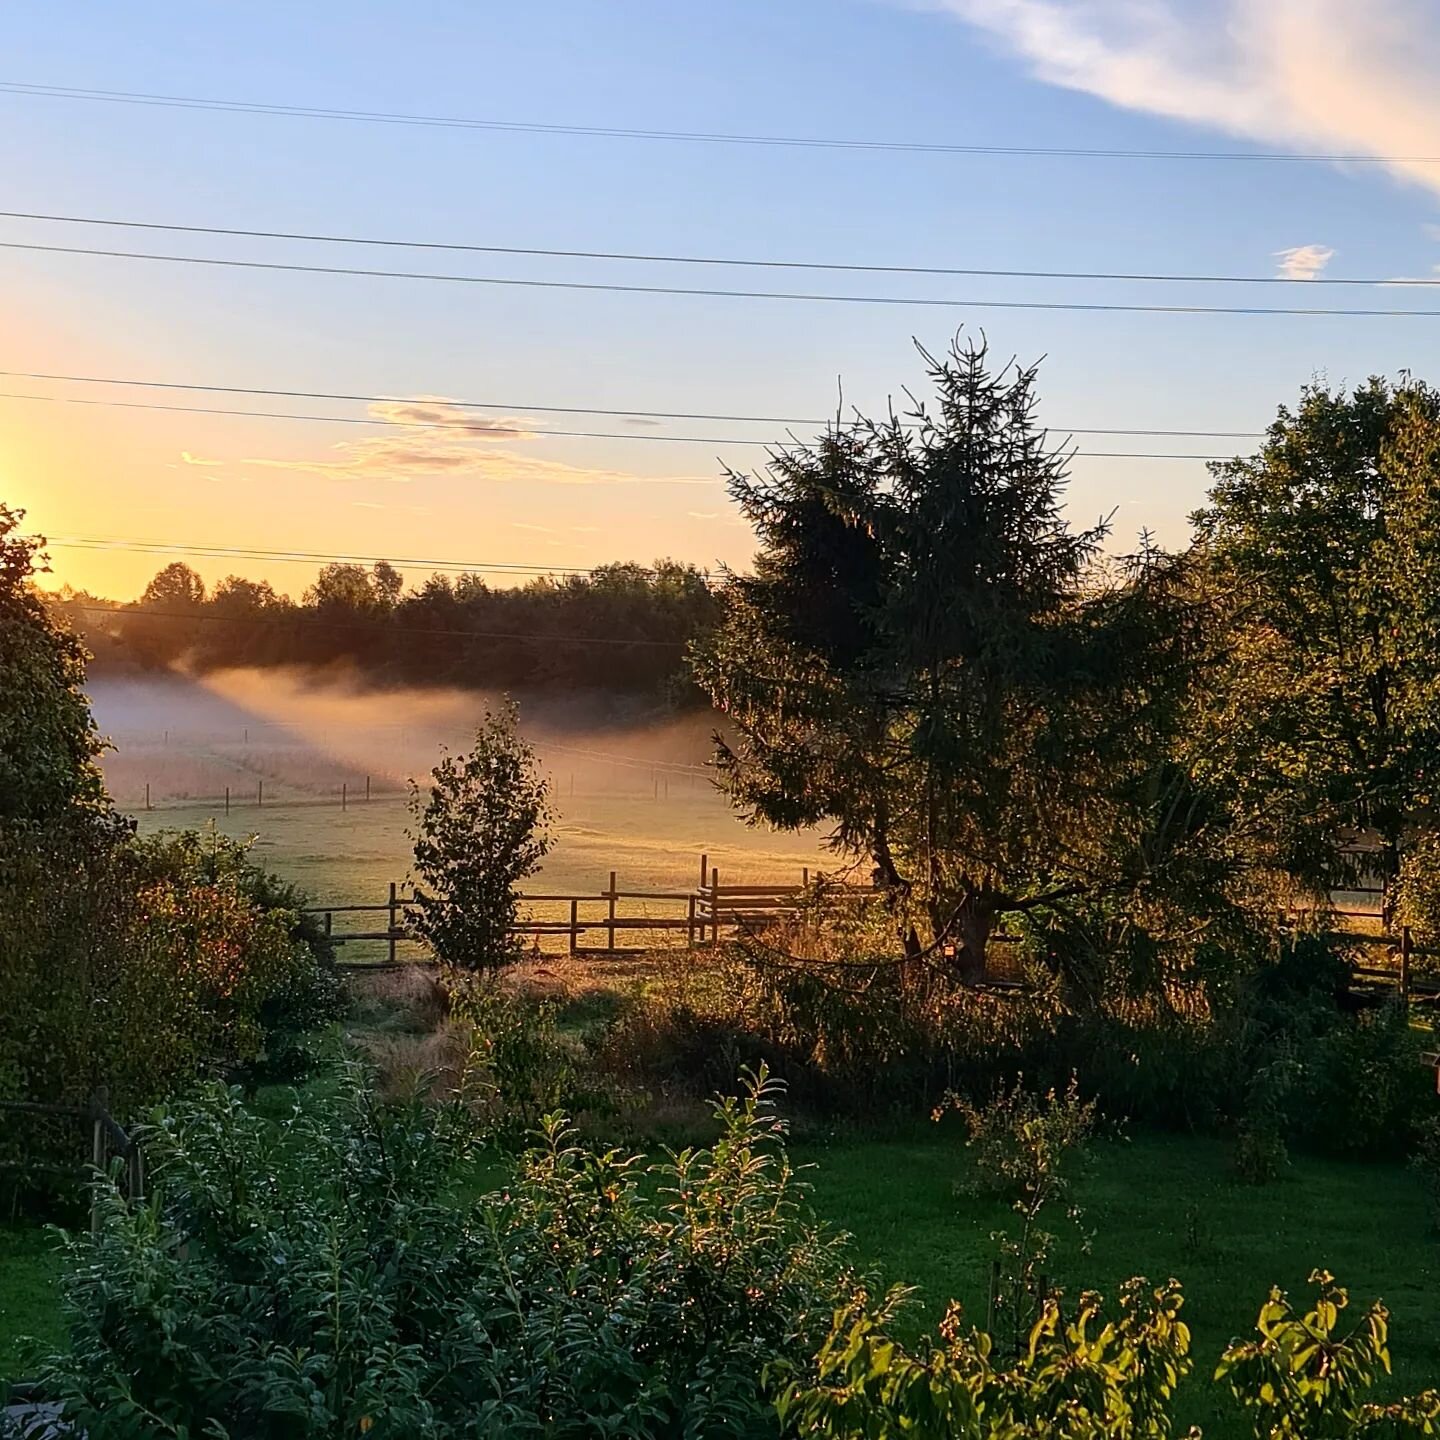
(108, 1140)
(596, 922)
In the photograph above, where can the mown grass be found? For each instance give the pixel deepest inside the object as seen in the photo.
(1159, 1206)
(29, 1294)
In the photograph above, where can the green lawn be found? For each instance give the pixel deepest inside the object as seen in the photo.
(29, 1267)
(1159, 1206)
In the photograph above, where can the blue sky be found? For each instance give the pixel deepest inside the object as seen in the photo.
(1271, 75)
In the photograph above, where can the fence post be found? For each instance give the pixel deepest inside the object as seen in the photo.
(259, 792)
(611, 917)
(704, 869)
(367, 787)
(227, 799)
(574, 926)
(391, 926)
(344, 795)
(147, 794)
(715, 905)
(329, 922)
(690, 925)
(1405, 948)
(99, 1099)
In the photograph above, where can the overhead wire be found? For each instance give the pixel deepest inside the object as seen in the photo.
(517, 408)
(662, 258)
(706, 137)
(524, 434)
(716, 293)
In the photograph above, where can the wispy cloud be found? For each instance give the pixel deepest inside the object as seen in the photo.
(1303, 262)
(189, 459)
(430, 436)
(1330, 75)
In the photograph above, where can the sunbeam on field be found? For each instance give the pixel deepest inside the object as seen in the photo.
(318, 772)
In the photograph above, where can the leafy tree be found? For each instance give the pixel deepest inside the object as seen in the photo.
(342, 588)
(176, 586)
(167, 622)
(386, 584)
(1328, 542)
(930, 660)
(481, 828)
(48, 742)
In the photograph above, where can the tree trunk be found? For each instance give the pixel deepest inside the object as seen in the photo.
(974, 923)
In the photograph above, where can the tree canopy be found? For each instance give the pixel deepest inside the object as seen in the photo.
(1327, 545)
(929, 660)
(48, 742)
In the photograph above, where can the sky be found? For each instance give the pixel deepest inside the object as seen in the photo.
(1242, 80)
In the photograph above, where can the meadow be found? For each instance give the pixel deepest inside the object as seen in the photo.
(630, 796)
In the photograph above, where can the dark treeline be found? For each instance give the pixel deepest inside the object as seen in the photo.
(621, 627)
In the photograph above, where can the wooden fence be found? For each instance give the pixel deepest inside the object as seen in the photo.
(108, 1139)
(598, 922)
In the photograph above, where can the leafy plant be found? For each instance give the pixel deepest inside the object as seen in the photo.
(1426, 1163)
(480, 829)
(1085, 1379)
(337, 1276)
(1304, 1378)
(1024, 1147)
(1093, 1379)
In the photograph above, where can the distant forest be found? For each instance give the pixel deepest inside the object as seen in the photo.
(620, 627)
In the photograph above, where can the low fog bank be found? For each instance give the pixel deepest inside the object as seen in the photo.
(308, 733)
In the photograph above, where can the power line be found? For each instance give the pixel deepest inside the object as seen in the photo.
(615, 132)
(541, 434)
(712, 293)
(544, 409)
(310, 557)
(370, 626)
(659, 258)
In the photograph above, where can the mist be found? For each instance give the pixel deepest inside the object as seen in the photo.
(302, 735)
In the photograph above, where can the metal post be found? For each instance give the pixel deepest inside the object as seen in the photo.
(391, 926)
(612, 911)
(574, 926)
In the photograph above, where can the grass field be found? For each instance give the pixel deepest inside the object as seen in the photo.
(1158, 1205)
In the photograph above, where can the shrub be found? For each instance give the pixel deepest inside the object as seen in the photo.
(516, 1056)
(480, 830)
(1092, 1379)
(140, 969)
(329, 1281)
(1024, 1148)
(1416, 897)
(1426, 1164)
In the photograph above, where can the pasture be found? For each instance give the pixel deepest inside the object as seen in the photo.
(631, 797)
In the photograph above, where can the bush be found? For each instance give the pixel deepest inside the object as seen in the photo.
(141, 966)
(1416, 897)
(330, 1281)
(1087, 1378)
(480, 830)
